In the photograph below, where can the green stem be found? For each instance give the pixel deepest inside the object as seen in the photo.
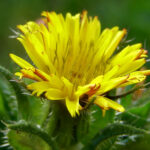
(29, 128)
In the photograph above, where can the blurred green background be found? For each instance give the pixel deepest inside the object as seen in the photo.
(131, 14)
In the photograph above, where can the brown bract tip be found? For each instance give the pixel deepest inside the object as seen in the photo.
(95, 17)
(38, 73)
(84, 12)
(139, 54)
(124, 30)
(93, 89)
(145, 52)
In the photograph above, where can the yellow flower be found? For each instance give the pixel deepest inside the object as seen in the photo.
(74, 61)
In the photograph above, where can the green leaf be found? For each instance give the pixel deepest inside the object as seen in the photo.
(112, 131)
(29, 108)
(8, 100)
(141, 143)
(23, 103)
(142, 111)
(39, 108)
(24, 135)
(26, 141)
(3, 112)
(136, 116)
(107, 144)
(132, 119)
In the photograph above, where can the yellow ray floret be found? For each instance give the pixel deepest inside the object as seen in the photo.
(74, 60)
(106, 104)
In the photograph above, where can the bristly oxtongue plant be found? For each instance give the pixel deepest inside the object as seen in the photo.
(75, 66)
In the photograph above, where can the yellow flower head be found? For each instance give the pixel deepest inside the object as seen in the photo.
(74, 60)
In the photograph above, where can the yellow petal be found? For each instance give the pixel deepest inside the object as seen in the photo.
(29, 73)
(48, 90)
(83, 89)
(118, 35)
(39, 87)
(145, 72)
(54, 94)
(120, 58)
(134, 77)
(103, 112)
(110, 84)
(112, 72)
(21, 62)
(106, 104)
(19, 74)
(37, 52)
(98, 79)
(28, 28)
(68, 87)
(129, 59)
(73, 106)
(130, 67)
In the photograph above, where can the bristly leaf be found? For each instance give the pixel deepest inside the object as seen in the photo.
(136, 116)
(142, 111)
(132, 119)
(8, 100)
(113, 130)
(23, 103)
(23, 126)
(107, 144)
(26, 141)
